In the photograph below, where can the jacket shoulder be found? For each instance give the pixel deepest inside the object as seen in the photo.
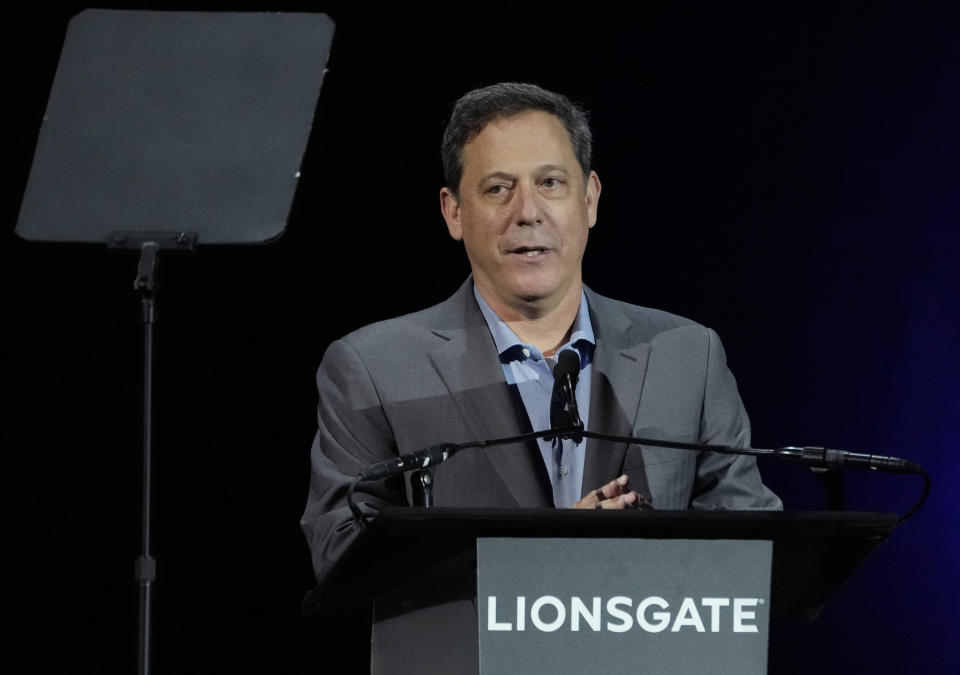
(645, 321)
(415, 330)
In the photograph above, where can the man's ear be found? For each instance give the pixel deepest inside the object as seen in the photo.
(450, 208)
(593, 197)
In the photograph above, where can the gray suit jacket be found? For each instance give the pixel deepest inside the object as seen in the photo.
(434, 376)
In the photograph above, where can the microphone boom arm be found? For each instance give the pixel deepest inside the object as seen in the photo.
(814, 457)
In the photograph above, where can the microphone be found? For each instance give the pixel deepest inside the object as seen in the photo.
(565, 376)
(415, 460)
(825, 458)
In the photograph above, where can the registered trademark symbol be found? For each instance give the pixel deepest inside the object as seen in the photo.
(760, 601)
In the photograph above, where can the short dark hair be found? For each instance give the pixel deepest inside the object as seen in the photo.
(476, 109)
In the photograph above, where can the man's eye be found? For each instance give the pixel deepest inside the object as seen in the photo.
(496, 189)
(552, 182)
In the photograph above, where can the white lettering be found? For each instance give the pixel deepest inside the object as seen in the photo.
(715, 604)
(687, 616)
(538, 620)
(625, 619)
(740, 615)
(578, 609)
(492, 623)
(548, 613)
(662, 618)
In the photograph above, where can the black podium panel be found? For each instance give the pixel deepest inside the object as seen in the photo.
(814, 553)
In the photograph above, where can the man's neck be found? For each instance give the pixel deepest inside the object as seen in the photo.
(547, 328)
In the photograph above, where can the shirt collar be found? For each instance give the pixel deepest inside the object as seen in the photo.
(510, 347)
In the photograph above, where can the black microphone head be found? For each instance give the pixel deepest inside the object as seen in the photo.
(568, 363)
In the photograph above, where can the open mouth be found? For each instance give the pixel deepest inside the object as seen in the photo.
(529, 251)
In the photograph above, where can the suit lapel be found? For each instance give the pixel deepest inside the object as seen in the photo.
(469, 366)
(619, 369)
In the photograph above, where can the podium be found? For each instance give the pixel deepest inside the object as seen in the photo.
(417, 568)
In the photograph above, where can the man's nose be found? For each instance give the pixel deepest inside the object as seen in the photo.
(528, 207)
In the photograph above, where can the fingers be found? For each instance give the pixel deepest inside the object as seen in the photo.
(613, 489)
(628, 500)
(609, 496)
(614, 495)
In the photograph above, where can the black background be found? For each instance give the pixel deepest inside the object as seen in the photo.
(787, 176)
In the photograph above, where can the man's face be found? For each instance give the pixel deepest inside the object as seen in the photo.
(523, 213)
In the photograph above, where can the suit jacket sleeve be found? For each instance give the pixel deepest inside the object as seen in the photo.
(726, 481)
(352, 433)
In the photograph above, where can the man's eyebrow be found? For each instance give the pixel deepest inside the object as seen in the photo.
(499, 174)
(543, 168)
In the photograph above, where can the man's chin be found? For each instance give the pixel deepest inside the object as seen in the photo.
(533, 293)
(530, 293)
(536, 295)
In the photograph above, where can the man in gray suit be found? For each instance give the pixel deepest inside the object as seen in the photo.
(522, 197)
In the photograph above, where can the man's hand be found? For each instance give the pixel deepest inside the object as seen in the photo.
(613, 495)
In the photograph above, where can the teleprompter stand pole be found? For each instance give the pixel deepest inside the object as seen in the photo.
(150, 244)
(146, 566)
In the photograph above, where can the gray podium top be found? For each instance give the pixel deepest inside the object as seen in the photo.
(176, 121)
